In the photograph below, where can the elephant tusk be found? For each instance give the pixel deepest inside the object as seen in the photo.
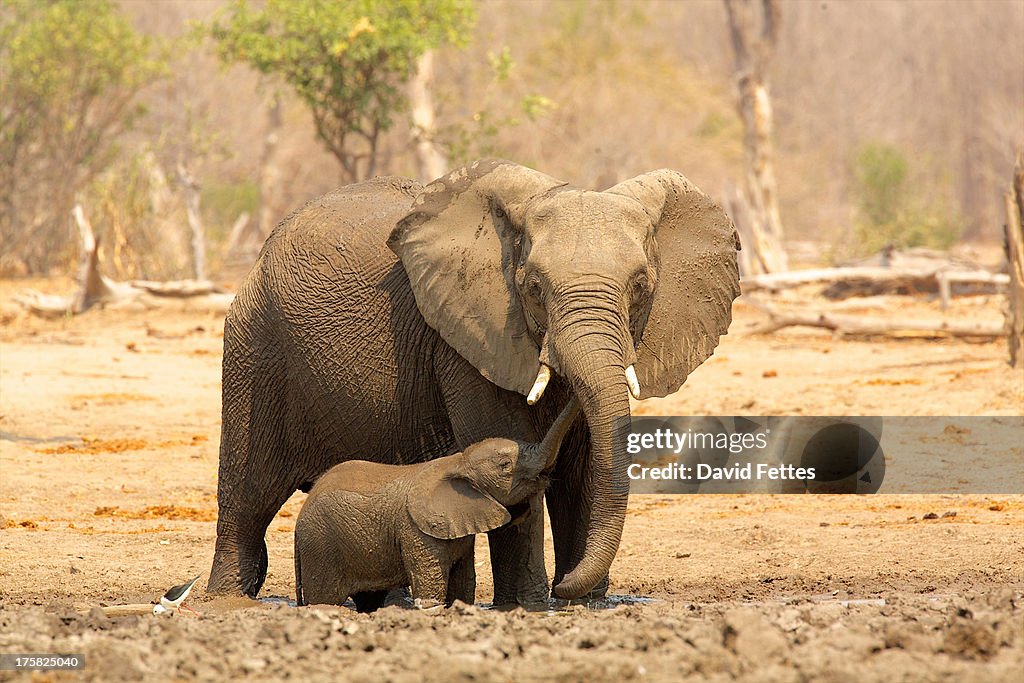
(633, 382)
(543, 377)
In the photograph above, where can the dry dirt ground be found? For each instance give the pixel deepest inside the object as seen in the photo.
(109, 425)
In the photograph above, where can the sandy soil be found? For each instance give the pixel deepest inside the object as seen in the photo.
(109, 426)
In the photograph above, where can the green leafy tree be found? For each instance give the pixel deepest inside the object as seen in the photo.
(348, 61)
(496, 111)
(69, 72)
(892, 210)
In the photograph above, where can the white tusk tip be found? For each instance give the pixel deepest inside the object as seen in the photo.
(539, 385)
(633, 382)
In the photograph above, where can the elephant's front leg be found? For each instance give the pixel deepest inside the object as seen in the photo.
(428, 580)
(517, 558)
(479, 410)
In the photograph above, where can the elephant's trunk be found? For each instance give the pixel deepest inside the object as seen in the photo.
(593, 349)
(542, 455)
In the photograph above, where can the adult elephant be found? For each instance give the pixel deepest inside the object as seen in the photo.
(398, 323)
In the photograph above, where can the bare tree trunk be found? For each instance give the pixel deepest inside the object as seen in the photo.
(195, 222)
(753, 51)
(270, 171)
(165, 229)
(1015, 259)
(430, 159)
(755, 243)
(238, 230)
(93, 285)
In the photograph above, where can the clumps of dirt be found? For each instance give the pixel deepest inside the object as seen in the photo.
(93, 446)
(970, 640)
(885, 382)
(190, 514)
(96, 446)
(992, 504)
(951, 434)
(23, 524)
(91, 530)
(907, 637)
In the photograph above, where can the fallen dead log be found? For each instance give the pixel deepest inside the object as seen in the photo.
(178, 288)
(873, 280)
(95, 288)
(798, 278)
(131, 610)
(872, 326)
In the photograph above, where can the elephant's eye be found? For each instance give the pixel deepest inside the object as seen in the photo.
(533, 288)
(641, 284)
(499, 212)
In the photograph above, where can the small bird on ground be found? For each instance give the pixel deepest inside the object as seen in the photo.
(175, 599)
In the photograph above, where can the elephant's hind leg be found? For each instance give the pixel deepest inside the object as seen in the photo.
(256, 473)
(462, 581)
(240, 556)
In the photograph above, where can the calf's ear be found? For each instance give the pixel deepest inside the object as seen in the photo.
(449, 506)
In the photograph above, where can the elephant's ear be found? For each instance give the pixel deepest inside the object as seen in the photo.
(450, 507)
(698, 278)
(459, 245)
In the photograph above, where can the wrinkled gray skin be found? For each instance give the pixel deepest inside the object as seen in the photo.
(398, 323)
(368, 527)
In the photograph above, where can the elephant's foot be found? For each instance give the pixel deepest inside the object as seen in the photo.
(531, 595)
(225, 577)
(517, 561)
(527, 589)
(238, 571)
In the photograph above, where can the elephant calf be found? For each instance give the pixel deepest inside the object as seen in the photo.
(369, 527)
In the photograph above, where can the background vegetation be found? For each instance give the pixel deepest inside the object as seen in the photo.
(895, 120)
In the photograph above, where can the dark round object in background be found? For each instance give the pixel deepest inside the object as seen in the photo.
(846, 459)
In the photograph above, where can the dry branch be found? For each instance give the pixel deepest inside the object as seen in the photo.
(873, 280)
(130, 610)
(195, 223)
(238, 228)
(93, 285)
(178, 288)
(872, 326)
